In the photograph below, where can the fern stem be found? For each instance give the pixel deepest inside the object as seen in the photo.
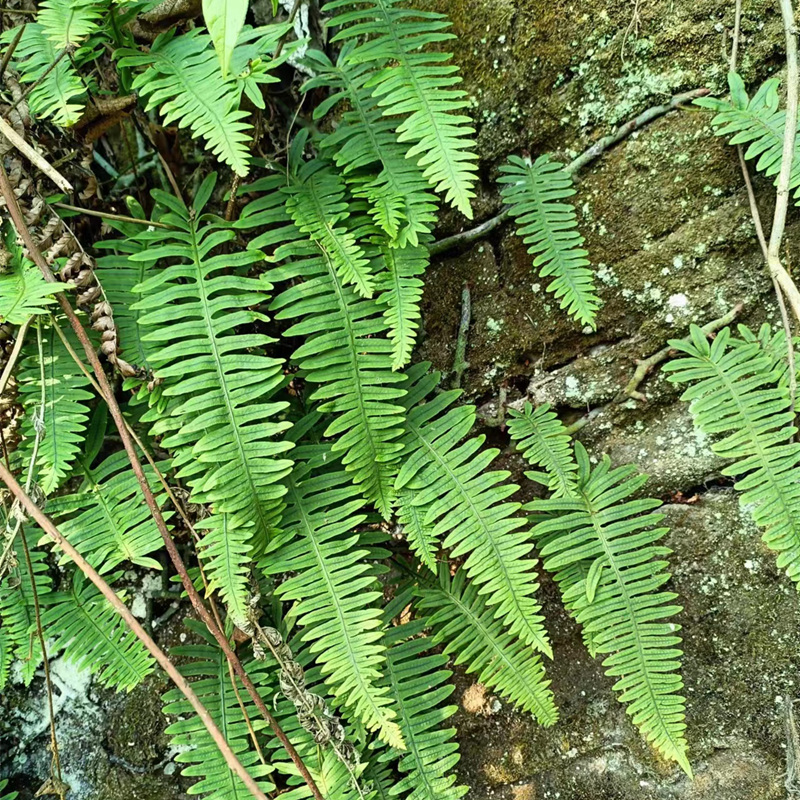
(116, 217)
(108, 395)
(160, 656)
(17, 349)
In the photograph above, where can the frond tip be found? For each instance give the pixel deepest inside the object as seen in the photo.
(535, 193)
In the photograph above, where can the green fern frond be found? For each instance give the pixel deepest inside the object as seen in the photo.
(334, 592)
(107, 521)
(23, 290)
(365, 147)
(18, 609)
(65, 410)
(69, 22)
(756, 123)
(185, 83)
(544, 441)
(6, 657)
(207, 666)
(58, 92)
(419, 687)
(400, 290)
(222, 424)
(224, 20)
(317, 206)
(620, 602)
(345, 357)
(419, 534)
(737, 391)
(535, 193)
(94, 637)
(416, 84)
(8, 796)
(470, 633)
(464, 505)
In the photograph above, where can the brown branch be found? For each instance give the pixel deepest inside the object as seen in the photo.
(127, 442)
(34, 157)
(16, 350)
(158, 654)
(11, 48)
(588, 155)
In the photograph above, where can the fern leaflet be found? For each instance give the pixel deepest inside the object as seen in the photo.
(69, 22)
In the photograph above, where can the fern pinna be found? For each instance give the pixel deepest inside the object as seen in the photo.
(618, 599)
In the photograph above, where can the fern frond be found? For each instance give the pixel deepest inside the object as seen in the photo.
(224, 20)
(65, 408)
(400, 291)
(18, 609)
(69, 22)
(737, 390)
(207, 666)
(544, 441)
(23, 290)
(419, 534)
(419, 687)
(535, 193)
(345, 357)
(756, 122)
(317, 206)
(8, 796)
(222, 424)
(464, 504)
(95, 637)
(58, 92)
(6, 658)
(107, 521)
(365, 147)
(334, 592)
(416, 84)
(472, 635)
(620, 602)
(185, 83)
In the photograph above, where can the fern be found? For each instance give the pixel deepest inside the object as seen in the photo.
(416, 84)
(18, 609)
(317, 206)
(206, 665)
(534, 192)
(470, 632)
(373, 162)
(418, 532)
(222, 424)
(6, 658)
(64, 413)
(544, 441)
(185, 83)
(95, 637)
(756, 122)
(58, 92)
(419, 687)
(345, 357)
(23, 290)
(335, 593)
(68, 22)
(9, 795)
(620, 602)
(107, 521)
(737, 391)
(465, 505)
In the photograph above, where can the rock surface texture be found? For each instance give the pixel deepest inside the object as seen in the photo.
(669, 233)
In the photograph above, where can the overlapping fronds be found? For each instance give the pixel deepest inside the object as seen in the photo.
(17, 608)
(419, 687)
(466, 505)
(737, 392)
(620, 602)
(318, 208)
(346, 357)
(757, 123)
(544, 441)
(223, 426)
(536, 193)
(416, 84)
(365, 147)
(69, 22)
(107, 520)
(335, 593)
(94, 637)
(58, 91)
(208, 668)
(65, 411)
(472, 635)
